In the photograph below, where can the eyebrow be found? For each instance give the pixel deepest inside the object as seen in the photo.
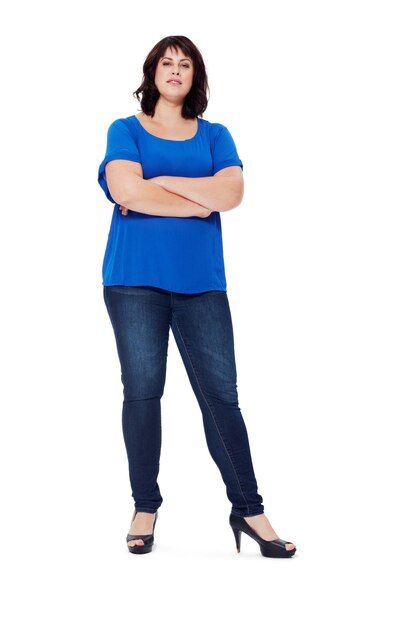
(171, 59)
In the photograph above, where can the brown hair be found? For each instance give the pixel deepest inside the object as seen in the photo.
(195, 102)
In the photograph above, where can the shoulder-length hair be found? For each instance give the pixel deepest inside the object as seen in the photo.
(195, 102)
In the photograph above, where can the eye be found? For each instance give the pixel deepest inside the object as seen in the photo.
(169, 63)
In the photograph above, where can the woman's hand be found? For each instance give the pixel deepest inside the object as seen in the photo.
(123, 209)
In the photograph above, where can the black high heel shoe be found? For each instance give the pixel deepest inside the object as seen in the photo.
(275, 548)
(148, 540)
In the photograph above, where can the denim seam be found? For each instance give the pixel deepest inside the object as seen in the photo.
(107, 303)
(209, 407)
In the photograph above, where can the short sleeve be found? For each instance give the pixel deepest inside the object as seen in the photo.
(121, 144)
(224, 149)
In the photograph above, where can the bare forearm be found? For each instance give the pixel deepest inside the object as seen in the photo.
(215, 193)
(144, 196)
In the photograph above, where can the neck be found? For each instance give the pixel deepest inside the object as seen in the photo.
(167, 112)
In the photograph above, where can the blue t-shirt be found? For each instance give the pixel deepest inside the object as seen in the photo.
(182, 254)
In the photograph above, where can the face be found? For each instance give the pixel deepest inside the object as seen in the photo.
(174, 66)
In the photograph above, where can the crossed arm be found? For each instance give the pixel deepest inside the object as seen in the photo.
(221, 192)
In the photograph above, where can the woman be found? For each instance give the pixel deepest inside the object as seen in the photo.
(169, 174)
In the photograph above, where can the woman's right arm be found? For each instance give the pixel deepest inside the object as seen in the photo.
(125, 182)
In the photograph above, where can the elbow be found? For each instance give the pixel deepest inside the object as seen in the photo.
(125, 188)
(127, 194)
(234, 200)
(116, 193)
(119, 193)
(238, 197)
(227, 206)
(238, 192)
(126, 201)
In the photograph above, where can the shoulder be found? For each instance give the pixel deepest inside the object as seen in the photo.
(214, 128)
(123, 124)
(124, 129)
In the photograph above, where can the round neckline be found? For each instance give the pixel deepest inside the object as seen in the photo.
(171, 140)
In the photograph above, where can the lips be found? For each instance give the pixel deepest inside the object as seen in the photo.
(173, 80)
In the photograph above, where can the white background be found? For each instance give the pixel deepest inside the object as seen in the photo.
(320, 98)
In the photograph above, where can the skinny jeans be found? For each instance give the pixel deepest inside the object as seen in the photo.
(201, 323)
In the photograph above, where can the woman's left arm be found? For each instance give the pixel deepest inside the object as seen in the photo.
(221, 192)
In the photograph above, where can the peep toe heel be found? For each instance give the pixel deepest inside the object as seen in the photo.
(148, 540)
(275, 548)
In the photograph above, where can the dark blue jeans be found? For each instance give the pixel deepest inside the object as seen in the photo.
(202, 326)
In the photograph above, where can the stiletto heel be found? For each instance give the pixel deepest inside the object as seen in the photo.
(237, 533)
(275, 548)
(148, 540)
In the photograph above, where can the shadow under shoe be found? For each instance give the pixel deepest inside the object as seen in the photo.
(148, 540)
(275, 548)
